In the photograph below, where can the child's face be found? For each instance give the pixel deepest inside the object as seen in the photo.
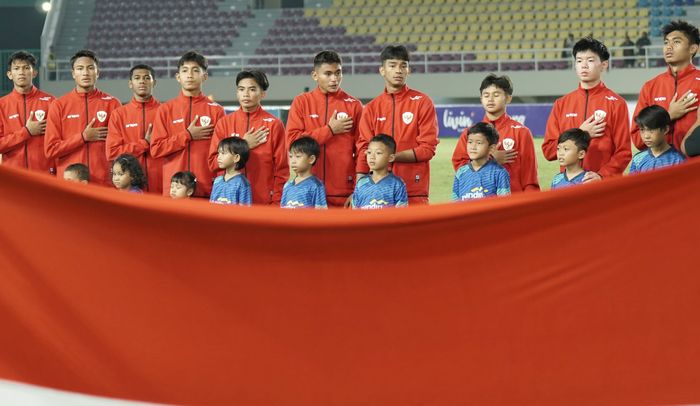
(120, 178)
(72, 176)
(249, 94)
(494, 100)
(227, 159)
(569, 154)
(478, 146)
(378, 156)
(653, 138)
(300, 162)
(179, 191)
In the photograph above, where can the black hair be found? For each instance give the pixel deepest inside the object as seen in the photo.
(394, 52)
(21, 56)
(193, 56)
(690, 31)
(80, 170)
(386, 140)
(580, 138)
(307, 146)
(257, 75)
(236, 146)
(487, 130)
(186, 179)
(149, 68)
(501, 82)
(329, 57)
(593, 45)
(84, 53)
(653, 117)
(130, 164)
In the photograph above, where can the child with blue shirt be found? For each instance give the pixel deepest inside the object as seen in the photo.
(481, 176)
(572, 146)
(381, 188)
(232, 187)
(305, 191)
(654, 123)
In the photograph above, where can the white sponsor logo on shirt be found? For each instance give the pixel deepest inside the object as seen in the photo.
(179, 120)
(381, 118)
(235, 135)
(508, 144)
(13, 116)
(131, 125)
(349, 100)
(102, 116)
(661, 98)
(40, 114)
(313, 115)
(213, 104)
(45, 98)
(611, 98)
(107, 98)
(407, 117)
(571, 115)
(269, 120)
(517, 126)
(73, 116)
(416, 98)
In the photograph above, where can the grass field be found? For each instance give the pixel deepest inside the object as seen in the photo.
(442, 174)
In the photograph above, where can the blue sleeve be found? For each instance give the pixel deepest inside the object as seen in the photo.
(320, 198)
(245, 197)
(400, 195)
(455, 188)
(283, 199)
(633, 167)
(503, 183)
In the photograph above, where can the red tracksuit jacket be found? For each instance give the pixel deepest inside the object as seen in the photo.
(607, 155)
(17, 146)
(68, 117)
(267, 168)
(512, 136)
(127, 129)
(309, 116)
(408, 116)
(171, 141)
(660, 90)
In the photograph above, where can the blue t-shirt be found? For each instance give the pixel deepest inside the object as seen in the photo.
(233, 191)
(307, 194)
(390, 191)
(490, 180)
(646, 161)
(560, 180)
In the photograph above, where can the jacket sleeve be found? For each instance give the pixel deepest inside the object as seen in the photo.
(427, 132)
(116, 144)
(279, 160)
(644, 101)
(551, 133)
(622, 153)
(57, 144)
(366, 132)
(11, 139)
(219, 134)
(296, 129)
(162, 142)
(460, 156)
(528, 162)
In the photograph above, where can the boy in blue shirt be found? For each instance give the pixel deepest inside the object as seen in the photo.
(381, 188)
(654, 123)
(481, 176)
(232, 187)
(305, 190)
(572, 146)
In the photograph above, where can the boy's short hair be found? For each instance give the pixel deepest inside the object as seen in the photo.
(307, 146)
(81, 171)
(149, 68)
(21, 56)
(84, 53)
(193, 56)
(580, 138)
(593, 45)
(329, 57)
(690, 31)
(186, 179)
(131, 164)
(386, 140)
(487, 130)
(236, 146)
(653, 117)
(501, 82)
(257, 75)
(398, 52)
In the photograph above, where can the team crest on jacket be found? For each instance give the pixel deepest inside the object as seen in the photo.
(205, 120)
(40, 114)
(102, 116)
(407, 117)
(600, 115)
(508, 144)
(342, 115)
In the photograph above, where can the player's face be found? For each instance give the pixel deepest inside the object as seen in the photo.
(394, 72)
(653, 138)
(142, 83)
(677, 48)
(477, 146)
(568, 153)
(72, 176)
(191, 76)
(300, 162)
(179, 191)
(21, 74)
(328, 77)
(120, 178)
(589, 67)
(494, 100)
(378, 156)
(85, 73)
(227, 159)
(249, 94)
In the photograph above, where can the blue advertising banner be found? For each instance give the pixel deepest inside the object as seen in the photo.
(455, 118)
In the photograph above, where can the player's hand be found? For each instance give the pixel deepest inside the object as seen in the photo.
(256, 137)
(592, 127)
(348, 202)
(679, 107)
(591, 176)
(504, 157)
(35, 127)
(340, 125)
(147, 137)
(200, 133)
(91, 134)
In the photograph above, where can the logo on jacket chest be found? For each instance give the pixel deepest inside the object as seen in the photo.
(508, 144)
(569, 115)
(205, 121)
(600, 115)
(40, 115)
(131, 125)
(313, 115)
(13, 116)
(101, 116)
(407, 117)
(660, 99)
(341, 115)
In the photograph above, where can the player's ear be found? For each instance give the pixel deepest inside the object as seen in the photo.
(9, 75)
(312, 159)
(381, 69)
(314, 75)
(392, 157)
(605, 65)
(509, 98)
(190, 192)
(581, 154)
(666, 130)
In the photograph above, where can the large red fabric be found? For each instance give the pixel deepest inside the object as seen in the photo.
(567, 297)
